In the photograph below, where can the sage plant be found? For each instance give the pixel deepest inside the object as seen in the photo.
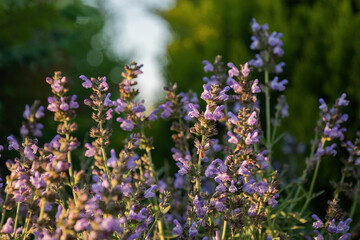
(224, 187)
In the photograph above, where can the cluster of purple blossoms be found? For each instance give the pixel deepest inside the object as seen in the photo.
(236, 177)
(329, 127)
(331, 228)
(270, 47)
(32, 114)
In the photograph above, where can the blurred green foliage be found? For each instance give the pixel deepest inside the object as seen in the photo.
(37, 38)
(321, 43)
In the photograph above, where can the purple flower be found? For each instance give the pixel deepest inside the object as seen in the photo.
(8, 227)
(90, 150)
(103, 85)
(245, 70)
(152, 116)
(216, 115)
(38, 180)
(252, 210)
(81, 224)
(332, 227)
(255, 88)
(27, 112)
(112, 161)
(233, 71)
(272, 201)
(233, 139)
(193, 231)
(329, 150)
(167, 111)
(252, 138)
(258, 62)
(111, 225)
(254, 25)
(232, 187)
(52, 107)
(148, 193)
(261, 188)
(108, 114)
(57, 86)
(139, 217)
(255, 44)
(276, 85)
(274, 39)
(211, 171)
(232, 118)
(120, 106)
(234, 85)
(318, 224)
(243, 170)
(221, 187)
(222, 96)
(278, 51)
(194, 113)
(279, 67)
(208, 67)
(252, 120)
(28, 152)
(335, 132)
(249, 187)
(63, 105)
(177, 230)
(179, 181)
(205, 95)
(138, 108)
(59, 210)
(318, 235)
(73, 104)
(342, 227)
(131, 163)
(107, 101)
(126, 124)
(342, 101)
(220, 206)
(13, 143)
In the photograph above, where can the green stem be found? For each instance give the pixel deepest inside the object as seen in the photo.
(198, 177)
(43, 201)
(223, 235)
(16, 219)
(308, 197)
(303, 176)
(104, 155)
(354, 204)
(3, 210)
(24, 233)
(71, 172)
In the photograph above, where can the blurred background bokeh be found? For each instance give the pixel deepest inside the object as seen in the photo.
(96, 38)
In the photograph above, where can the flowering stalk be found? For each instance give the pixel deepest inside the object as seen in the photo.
(64, 110)
(100, 102)
(269, 46)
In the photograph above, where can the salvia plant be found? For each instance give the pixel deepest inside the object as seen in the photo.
(225, 187)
